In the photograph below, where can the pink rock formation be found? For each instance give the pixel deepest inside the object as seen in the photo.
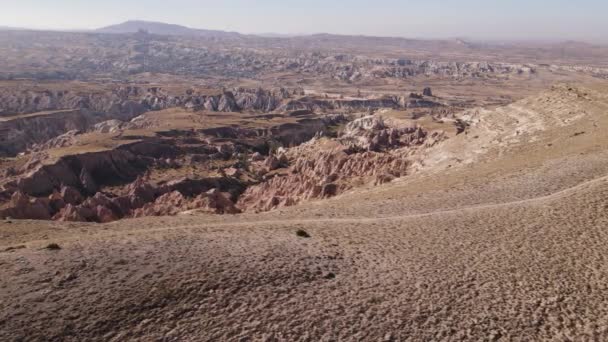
(321, 175)
(174, 202)
(71, 195)
(368, 151)
(23, 206)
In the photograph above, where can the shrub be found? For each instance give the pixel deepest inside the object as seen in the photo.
(53, 246)
(302, 233)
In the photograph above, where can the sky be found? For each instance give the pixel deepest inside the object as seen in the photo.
(584, 20)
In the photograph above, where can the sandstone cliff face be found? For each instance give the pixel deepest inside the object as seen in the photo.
(124, 103)
(83, 171)
(19, 134)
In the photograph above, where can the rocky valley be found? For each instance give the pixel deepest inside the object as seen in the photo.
(165, 183)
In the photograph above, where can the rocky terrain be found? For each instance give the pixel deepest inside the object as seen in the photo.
(176, 184)
(507, 245)
(320, 154)
(31, 54)
(35, 116)
(94, 152)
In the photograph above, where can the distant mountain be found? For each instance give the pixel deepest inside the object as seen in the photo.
(279, 35)
(134, 26)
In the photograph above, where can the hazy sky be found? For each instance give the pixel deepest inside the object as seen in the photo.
(480, 19)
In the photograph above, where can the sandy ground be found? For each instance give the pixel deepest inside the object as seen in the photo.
(511, 247)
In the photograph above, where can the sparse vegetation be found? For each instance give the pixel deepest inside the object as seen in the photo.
(244, 162)
(273, 146)
(53, 246)
(302, 233)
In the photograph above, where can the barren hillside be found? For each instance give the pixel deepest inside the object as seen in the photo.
(496, 234)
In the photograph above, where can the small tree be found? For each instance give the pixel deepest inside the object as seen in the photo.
(273, 146)
(243, 161)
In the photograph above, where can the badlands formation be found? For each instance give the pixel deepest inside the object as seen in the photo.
(316, 188)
